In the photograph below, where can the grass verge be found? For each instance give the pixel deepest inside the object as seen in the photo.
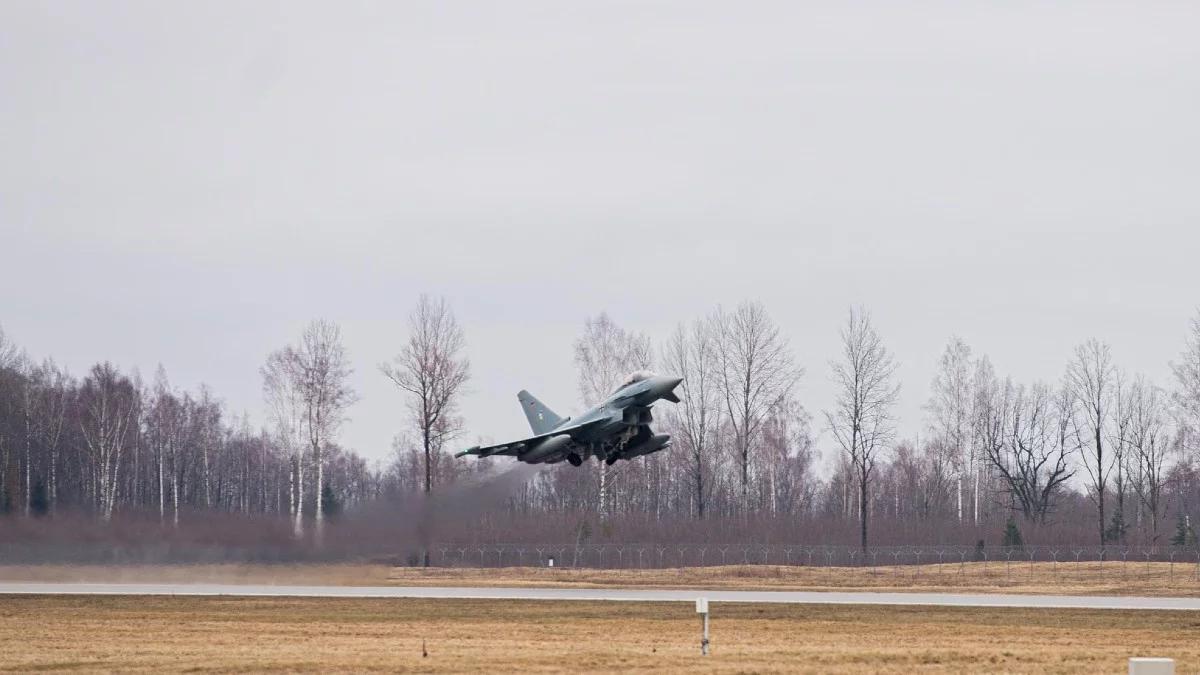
(1088, 578)
(140, 634)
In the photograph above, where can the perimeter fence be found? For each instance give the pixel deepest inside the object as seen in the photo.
(945, 557)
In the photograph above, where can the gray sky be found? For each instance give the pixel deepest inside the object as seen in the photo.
(190, 183)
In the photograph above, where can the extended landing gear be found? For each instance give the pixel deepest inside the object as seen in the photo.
(574, 459)
(612, 459)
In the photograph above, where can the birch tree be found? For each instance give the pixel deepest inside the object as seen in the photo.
(989, 417)
(46, 412)
(861, 420)
(757, 373)
(10, 354)
(172, 426)
(157, 425)
(604, 355)
(951, 416)
(324, 372)
(786, 451)
(285, 402)
(11, 385)
(107, 414)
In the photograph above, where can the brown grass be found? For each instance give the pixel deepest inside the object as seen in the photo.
(227, 573)
(1089, 578)
(1110, 578)
(116, 633)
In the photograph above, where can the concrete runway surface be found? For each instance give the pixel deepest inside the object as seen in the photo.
(618, 594)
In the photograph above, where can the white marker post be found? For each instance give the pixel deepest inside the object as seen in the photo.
(1151, 666)
(702, 610)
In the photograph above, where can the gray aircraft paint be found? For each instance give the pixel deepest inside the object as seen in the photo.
(541, 418)
(618, 428)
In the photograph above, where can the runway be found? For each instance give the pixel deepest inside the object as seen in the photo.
(613, 594)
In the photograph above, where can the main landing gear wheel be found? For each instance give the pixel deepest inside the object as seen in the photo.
(574, 459)
(611, 459)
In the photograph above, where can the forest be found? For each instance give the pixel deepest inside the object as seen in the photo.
(106, 460)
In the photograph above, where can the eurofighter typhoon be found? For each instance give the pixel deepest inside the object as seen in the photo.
(618, 428)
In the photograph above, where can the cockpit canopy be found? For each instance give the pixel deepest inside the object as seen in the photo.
(635, 377)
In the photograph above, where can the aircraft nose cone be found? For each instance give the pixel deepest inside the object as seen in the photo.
(658, 387)
(666, 385)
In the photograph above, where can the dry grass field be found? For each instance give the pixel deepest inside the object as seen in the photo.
(1110, 578)
(155, 634)
(1089, 578)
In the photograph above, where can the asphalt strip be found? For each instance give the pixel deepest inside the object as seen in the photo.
(614, 594)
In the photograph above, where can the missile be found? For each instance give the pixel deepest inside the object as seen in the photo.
(469, 451)
(546, 449)
(655, 444)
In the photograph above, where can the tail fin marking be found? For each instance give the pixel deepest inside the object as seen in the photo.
(541, 419)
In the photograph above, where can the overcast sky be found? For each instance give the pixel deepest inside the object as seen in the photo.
(190, 183)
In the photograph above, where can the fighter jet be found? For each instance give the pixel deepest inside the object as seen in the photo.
(618, 428)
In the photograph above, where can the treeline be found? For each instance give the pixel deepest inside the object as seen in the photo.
(1095, 456)
(1092, 455)
(107, 443)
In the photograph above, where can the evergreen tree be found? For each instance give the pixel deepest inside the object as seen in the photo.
(1012, 534)
(1116, 528)
(1184, 534)
(330, 502)
(39, 501)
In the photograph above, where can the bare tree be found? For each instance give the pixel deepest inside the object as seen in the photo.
(604, 355)
(756, 374)
(1187, 387)
(1090, 379)
(989, 419)
(157, 425)
(10, 354)
(12, 384)
(47, 394)
(861, 420)
(1030, 453)
(786, 453)
(1118, 444)
(691, 353)
(285, 400)
(1148, 437)
(107, 444)
(433, 371)
(987, 425)
(950, 407)
(107, 415)
(324, 372)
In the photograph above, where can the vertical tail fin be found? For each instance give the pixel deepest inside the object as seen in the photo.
(541, 419)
